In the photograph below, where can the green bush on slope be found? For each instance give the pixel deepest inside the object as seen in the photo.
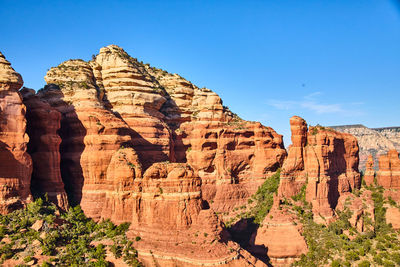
(68, 244)
(331, 244)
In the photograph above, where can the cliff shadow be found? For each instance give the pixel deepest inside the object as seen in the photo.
(337, 167)
(72, 133)
(241, 232)
(174, 119)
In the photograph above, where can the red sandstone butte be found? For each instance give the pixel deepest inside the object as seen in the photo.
(388, 175)
(325, 160)
(43, 121)
(15, 163)
(369, 175)
(280, 237)
(154, 150)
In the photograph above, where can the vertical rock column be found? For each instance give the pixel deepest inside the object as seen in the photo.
(369, 171)
(15, 163)
(43, 121)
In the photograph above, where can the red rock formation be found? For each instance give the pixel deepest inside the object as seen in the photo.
(169, 119)
(43, 121)
(169, 216)
(118, 106)
(280, 237)
(16, 164)
(137, 97)
(325, 160)
(92, 137)
(369, 175)
(361, 207)
(393, 217)
(233, 156)
(388, 175)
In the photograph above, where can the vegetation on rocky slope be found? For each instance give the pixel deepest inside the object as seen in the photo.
(340, 244)
(40, 234)
(260, 203)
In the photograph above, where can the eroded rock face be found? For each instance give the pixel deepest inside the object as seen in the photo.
(360, 207)
(16, 164)
(232, 156)
(167, 119)
(91, 136)
(43, 122)
(280, 237)
(325, 161)
(369, 175)
(144, 146)
(388, 175)
(131, 92)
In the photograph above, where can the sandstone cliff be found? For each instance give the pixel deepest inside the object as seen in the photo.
(388, 175)
(145, 146)
(43, 122)
(323, 160)
(16, 164)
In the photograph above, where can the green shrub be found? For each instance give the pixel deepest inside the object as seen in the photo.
(264, 198)
(364, 263)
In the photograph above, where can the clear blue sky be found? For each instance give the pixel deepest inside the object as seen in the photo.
(331, 62)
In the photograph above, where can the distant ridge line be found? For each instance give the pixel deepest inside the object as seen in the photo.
(348, 125)
(386, 128)
(363, 126)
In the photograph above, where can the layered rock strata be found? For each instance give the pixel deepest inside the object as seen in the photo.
(144, 146)
(43, 122)
(16, 164)
(388, 175)
(323, 160)
(168, 119)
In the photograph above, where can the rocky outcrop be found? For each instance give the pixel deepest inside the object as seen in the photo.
(16, 164)
(279, 236)
(132, 93)
(144, 146)
(43, 122)
(92, 137)
(369, 175)
(388, 175)
(323, 160)
(361, 208)
(166, 119)
(232, 156)
(372, 141)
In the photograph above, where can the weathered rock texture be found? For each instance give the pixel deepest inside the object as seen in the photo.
(388, 175)
(369, 174)
(325, 161)
(43, 121)
(15, 163)
(144, 146)
(361, 207)
(372, 141)
(280, 236)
